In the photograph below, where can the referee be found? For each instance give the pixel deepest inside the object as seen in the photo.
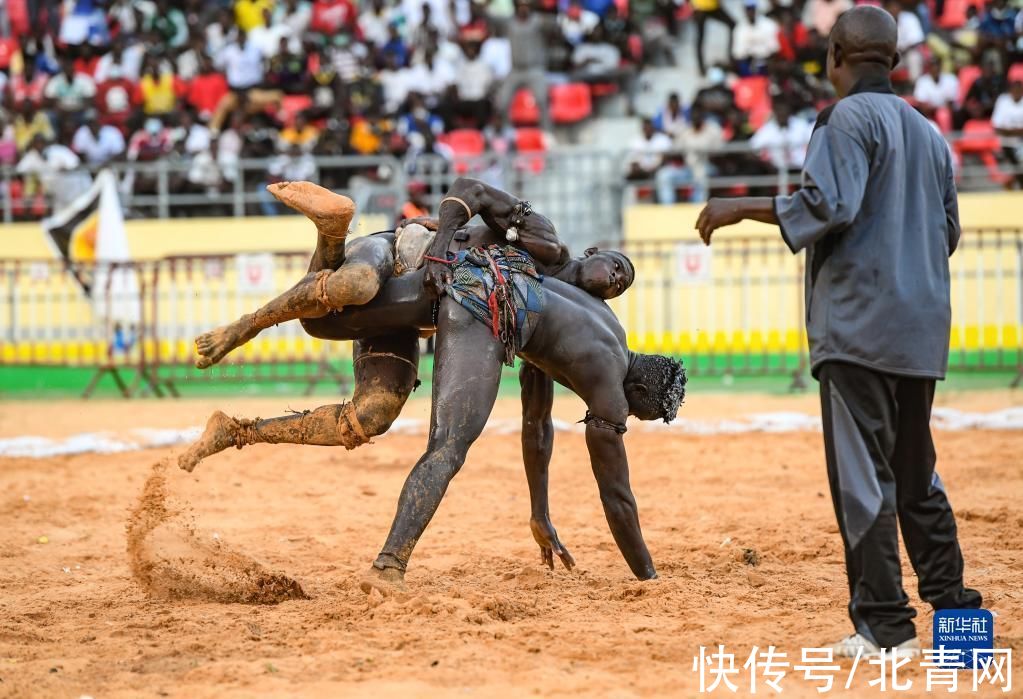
(878, 217)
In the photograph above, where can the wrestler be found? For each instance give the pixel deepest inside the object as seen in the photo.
(567, 334)
(386, 361)
(341, 276)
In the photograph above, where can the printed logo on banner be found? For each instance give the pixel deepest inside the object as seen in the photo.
(971, 632)
(692, 263)
(256, 273)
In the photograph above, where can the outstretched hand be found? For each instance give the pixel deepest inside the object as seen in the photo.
(716, 214)
(547, 539)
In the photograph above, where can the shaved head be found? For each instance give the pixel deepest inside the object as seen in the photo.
(866, 34)
(863, 41)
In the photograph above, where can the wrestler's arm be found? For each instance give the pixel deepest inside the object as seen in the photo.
(537, 445)
(495, 207)
(610, 466)
(451, 214)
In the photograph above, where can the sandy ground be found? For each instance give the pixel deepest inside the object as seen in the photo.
(481, 618)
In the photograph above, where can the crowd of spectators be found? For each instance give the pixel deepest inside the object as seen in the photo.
(207, 84)
(961, 67)
(210, 83)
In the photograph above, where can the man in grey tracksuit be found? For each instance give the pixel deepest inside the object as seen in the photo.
(878, 217)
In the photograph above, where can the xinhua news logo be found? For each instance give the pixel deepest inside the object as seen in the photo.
(967, 634)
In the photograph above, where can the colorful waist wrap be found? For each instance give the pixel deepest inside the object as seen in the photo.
(500, 286)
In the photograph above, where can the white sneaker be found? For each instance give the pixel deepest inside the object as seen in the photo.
(857, 645)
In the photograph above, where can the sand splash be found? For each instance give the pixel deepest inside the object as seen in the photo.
(170, 558)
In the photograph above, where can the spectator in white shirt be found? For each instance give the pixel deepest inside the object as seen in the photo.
(295, 165)
(496, 52)
(97, 144)
(267, 36)
(911, 38)
(688, 164)
(373, 23)
(784, 138)
(68, 91)
(220, 33)
(1008, 122)
(242, 63)
(129, 58)
(754, 41)
(935, 89)
(576, 22)
(294, 14)
(195, 136)
(430, 77)
(395, 83)
(646, 152)
(473, 87)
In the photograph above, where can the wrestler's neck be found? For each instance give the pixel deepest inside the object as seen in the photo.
(569, 272)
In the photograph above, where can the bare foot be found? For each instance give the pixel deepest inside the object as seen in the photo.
(332, 213)
(214, 345)
(218, 436)
(386, 581)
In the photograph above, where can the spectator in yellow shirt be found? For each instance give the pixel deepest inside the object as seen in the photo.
(156, 90)
(248, 14)
(301, 134)
(29, 123)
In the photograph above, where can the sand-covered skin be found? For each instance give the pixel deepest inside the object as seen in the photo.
(481, 616)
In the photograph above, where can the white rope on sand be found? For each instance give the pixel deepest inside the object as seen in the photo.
(947, 419)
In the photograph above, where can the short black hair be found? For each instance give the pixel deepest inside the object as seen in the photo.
(665, 379)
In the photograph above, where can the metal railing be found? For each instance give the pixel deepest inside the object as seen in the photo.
(737, 307)
(733, 309)
(582, 189)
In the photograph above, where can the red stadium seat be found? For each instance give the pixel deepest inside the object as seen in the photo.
(1016, 73)
(954, 16)
(530, 144)
(291, 106)
(980, 139)
(760, 115)
(570, 103)
(465, 144)
(603, 89)
(523, 110)
(967, 76)
(751, 92)
(943, 118)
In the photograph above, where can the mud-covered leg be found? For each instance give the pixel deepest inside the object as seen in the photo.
(385, 374)
(370, 261)
(467, 372)
(331, 214)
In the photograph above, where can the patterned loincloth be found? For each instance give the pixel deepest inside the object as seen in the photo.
(500, 286)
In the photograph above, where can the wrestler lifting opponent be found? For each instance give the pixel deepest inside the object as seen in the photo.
(574, 337)
(647, 386)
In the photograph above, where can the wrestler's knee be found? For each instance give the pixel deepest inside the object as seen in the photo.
(377, 410)
(352, 285)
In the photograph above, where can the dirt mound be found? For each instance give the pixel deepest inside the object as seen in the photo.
(170, 558)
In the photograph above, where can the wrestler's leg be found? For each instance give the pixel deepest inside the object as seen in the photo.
(385, 374)
(368, 263)
(467, 371)
(331, 213)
